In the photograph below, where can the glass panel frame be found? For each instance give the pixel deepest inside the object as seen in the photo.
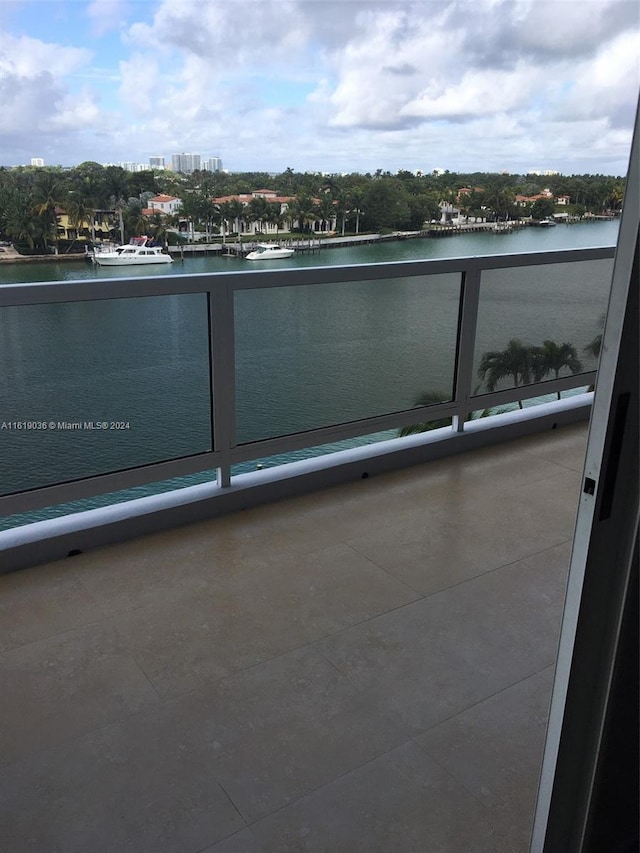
(362, 345)
(521, 308)
(85, 386)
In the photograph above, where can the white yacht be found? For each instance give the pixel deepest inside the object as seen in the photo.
(138, 251)
(267, 251)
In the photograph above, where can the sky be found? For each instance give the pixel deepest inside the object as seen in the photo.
(322, 85)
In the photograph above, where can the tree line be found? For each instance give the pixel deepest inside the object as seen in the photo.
(31, 199)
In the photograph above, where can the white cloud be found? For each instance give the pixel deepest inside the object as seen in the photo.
(34, 96)
(106, 15)
(343, 84)
(23, 57)
(607, 85)
(138, 83)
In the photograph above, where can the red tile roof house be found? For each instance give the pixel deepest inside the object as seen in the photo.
(167, 204)
(524, 200)
(242, 226)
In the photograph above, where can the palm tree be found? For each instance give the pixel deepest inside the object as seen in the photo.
(47, 193)
(136, 223)
(594, 347)
(342, 209)
(17, 218)
(326, 211)
(356, 197)
(517, 361)
(232, 212)
(427, 398)
(430, 398)
(80, 213)
(303, 210)
(552, 358)
(258, 211)
(158, 224)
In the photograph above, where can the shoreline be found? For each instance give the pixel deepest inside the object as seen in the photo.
(10, 255)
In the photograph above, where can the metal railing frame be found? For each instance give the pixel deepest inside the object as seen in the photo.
(220, 289)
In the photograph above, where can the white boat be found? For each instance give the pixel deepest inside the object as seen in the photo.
(546, 223)
(137, 251)
(268, 251)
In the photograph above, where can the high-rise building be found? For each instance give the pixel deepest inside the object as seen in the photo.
(133, 167)
(213, 164)
(156, 162)
(186, 163)
(37, 161)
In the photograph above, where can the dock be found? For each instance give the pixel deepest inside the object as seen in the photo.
(242, 248)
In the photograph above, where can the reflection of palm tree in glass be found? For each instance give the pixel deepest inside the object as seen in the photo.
(552, 358)
(430, 398)
(517, 361)
(594, 346)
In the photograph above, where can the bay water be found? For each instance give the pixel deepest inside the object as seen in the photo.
(305, 356)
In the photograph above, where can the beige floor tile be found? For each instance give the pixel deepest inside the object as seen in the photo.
(260, 611)
(495, 748)
(565, 447)
(61, 687)
(134, 787)
(42, 602)
(402, 801)
(282, 729)
(153, 569)
(272, 666)
(478, 535)
(433, 658)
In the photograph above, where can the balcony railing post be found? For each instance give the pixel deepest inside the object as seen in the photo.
(222, 349)
(466, 344)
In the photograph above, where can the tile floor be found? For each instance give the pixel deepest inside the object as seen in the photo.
(366, 668)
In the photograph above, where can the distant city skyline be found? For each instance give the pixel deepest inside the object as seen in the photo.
(184, 163)
(344, 85)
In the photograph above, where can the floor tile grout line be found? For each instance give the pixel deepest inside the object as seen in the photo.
(387, 572)
(450, 775)
(337, 778)
(58, 634)
(66, 741)
(464, 710)
(424, 596)
(236, 807)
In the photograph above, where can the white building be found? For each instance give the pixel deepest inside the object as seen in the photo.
(166, 204)
(133, 167)
(212, 164)
(156, 162)
(37, 161)
(185, 163)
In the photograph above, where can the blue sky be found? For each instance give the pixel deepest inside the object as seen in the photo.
(326, 85)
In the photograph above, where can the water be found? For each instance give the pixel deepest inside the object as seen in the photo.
(305, 356)
(575, 236)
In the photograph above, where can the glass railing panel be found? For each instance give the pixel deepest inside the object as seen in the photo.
(262, 463)
(310, 356)
(88, 388)
(521, 308)
(132, 493)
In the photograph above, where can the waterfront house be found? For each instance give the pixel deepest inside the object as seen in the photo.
(101, 224)
(165, 204)
(285, 221)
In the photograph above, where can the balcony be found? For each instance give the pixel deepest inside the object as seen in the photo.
(347, 652)
(364, 668)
